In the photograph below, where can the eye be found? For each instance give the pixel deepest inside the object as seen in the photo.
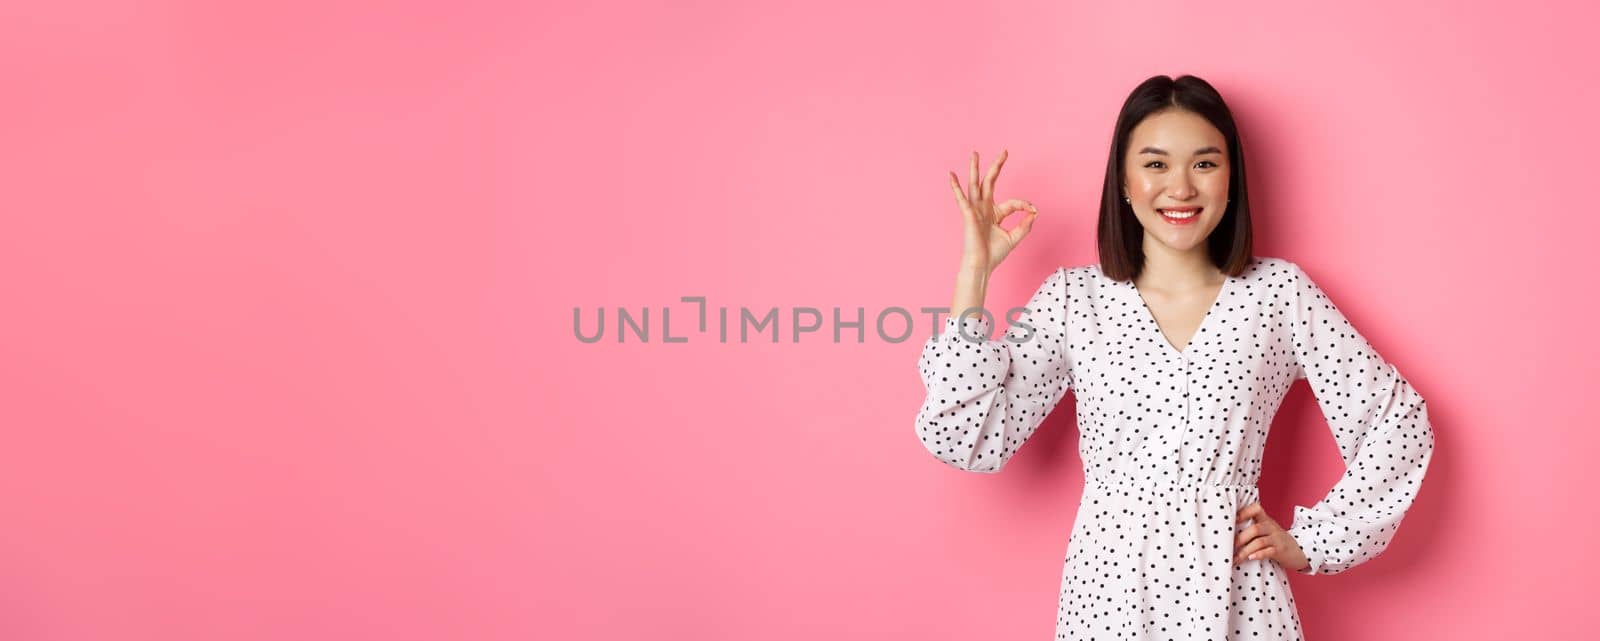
(1207, 162)
(1153, 164)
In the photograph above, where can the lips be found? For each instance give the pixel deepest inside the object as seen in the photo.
(1179, 213)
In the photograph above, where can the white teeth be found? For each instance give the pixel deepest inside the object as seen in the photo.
(1173, 214)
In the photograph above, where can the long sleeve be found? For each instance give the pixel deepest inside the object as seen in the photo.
(1380, 424)
(985, 397)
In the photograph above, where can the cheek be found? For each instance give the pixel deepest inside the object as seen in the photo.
(1143, 185)
(1216, 183)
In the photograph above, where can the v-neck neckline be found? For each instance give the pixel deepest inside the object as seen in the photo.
(1198, 331)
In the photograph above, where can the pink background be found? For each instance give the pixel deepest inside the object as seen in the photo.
(288, 335)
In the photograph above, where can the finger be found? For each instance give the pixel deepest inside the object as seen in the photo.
(1246, 535)
(994, 173)
(1021, 231)
(1250, 550)
(1009, 207)
(974, 188)
(1263, 518)
(961, 198)
(1251, 511)
(1255, 554)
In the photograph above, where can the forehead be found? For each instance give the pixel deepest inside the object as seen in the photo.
(1176, 131)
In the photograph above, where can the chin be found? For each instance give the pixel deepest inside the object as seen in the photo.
(1179, 240)
(1184, 247)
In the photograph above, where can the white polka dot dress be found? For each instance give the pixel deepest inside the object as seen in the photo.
(1171, 442)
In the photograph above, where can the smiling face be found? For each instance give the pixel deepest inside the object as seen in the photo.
(1175, 174)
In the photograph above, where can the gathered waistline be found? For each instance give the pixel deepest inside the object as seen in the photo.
(1171, 485)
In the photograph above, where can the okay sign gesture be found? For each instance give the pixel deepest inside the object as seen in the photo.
(987, 243)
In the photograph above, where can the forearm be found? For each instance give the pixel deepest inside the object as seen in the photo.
(972, 284)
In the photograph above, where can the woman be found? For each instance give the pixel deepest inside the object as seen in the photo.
(1179, 346)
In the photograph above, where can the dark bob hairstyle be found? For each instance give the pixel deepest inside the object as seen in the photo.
(1121, 237)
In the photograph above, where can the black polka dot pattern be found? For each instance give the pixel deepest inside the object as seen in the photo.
(1171, 442)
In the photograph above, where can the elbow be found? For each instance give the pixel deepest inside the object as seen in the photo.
(1420, 432)
(1424, 426)
(948, 445)
(975, 462)
(958, 436)
(966, 464)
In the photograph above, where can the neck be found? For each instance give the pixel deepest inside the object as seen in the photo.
(1173, 270)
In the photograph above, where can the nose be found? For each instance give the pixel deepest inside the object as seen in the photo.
(1181, 188)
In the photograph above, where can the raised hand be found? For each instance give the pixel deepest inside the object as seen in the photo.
(987, 243)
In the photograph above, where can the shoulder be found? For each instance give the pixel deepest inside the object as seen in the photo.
(1079, 272)
(1087, 272)
(1269, 265)
(1272, 270)
(1070, 275)
(1082, 279)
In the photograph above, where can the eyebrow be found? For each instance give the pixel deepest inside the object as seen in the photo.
(1163, 152)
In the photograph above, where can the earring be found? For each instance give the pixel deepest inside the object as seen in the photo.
(1125, 199)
